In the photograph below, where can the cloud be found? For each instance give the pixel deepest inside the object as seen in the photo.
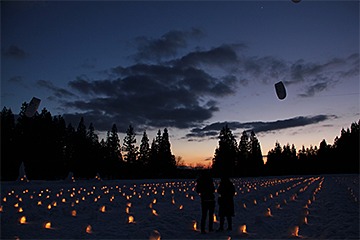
(58, 92)
(14, 51)
(16, 79)
(166, 46)
(167, 89)
(258, 127)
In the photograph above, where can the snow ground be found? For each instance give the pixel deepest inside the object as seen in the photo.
(329, 202)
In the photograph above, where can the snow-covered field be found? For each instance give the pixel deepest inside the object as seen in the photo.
(325, 206)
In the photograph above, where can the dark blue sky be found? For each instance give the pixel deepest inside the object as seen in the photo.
(189, 66)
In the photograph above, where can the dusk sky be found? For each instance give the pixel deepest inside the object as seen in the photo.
(190, 67)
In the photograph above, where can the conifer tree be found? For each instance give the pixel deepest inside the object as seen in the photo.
(225, 153)
(255, 161)
(131, 151)
(243, 167)
(144, 153)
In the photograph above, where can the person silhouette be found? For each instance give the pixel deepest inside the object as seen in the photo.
(226, 202)
(205, 187)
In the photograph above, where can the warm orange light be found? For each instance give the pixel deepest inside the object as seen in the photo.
(154, 212)
(154, 201)
(47, 225)
(102, 209)
(130, 219)
(181, 207)
(242, 229)
(73, 213)
(49, 207)
(1, 209)
(127, 210)
(20, 209)
(63, 200)
(23, 220)
(88, 229)
(215, 220)
(16, 205)
(194, 225)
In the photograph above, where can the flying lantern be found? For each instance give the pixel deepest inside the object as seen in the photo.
(280, 90)
(32, 107)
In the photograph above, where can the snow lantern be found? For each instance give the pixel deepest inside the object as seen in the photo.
(88, 229)
(73, 213)
(302, 220)
(244, 205)
(267, 213)
(102, 209)
(293, 231)
(46, 224)
(155, 235)
(283, 202)
(215, 220)
(131, 219)
(277, 206)
(242, 229)
(193, 225)
(22, 220)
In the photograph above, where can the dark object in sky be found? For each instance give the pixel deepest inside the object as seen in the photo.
(33, 106)
(296, 1)
(280, 90)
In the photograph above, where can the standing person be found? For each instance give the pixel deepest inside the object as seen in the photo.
(226, 202)
(205, 187)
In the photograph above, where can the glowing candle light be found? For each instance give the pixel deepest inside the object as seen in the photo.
(20, 209)
(293, 231)
(49, 206)
(1, 209)
(154, 201)
(181, 207)
(88, 229)
(102, 209)
(22, 220)
(130, 219)
(4, 199)
(73, 213)
(47, 225)
(16, 205)
(154, 212)
(39, 203)
(242, 229)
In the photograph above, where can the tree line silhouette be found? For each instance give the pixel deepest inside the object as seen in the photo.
(245, 159)
(50, 149)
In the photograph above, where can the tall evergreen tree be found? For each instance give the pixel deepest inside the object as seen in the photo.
(225, 153)
(9, 162)
(144, 153)
(166, 159)
(242, 165)
(255, 160)
(131, 151)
